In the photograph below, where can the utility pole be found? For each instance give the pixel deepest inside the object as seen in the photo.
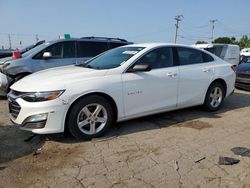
(178, 18)
(9, 37)
(212, 22)
(37, 39)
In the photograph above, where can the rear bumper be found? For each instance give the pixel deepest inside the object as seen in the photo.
(243, 83)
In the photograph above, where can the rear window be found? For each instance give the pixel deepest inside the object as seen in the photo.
(91, 49)
(115, 45)
(217, 50)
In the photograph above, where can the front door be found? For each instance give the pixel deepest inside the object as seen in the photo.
(63, 53)
(154, 90)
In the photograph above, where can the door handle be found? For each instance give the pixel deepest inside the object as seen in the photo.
(171, 74)
(206, 70)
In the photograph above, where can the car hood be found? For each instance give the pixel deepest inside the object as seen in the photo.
(56, 78)
(4, 60)
(243, 67)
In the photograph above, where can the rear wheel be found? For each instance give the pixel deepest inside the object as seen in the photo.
(90, 117)
(214, 97)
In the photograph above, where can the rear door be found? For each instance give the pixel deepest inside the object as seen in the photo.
(88, 49)
(195, 75)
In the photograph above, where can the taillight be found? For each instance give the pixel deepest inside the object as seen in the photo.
(234, 68)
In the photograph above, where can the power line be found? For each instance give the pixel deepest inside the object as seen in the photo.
(194, 36)
(178, 18)
(196, 26)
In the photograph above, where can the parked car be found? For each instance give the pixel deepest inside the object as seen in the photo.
(243, 76)
(27, 48)
(244, 59)
(5, 53)
(245, 52)
(53, 54)
(8, 53)
(121, 84)
(227, 52)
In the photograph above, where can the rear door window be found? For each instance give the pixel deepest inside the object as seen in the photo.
(91, 49)
(188, 56)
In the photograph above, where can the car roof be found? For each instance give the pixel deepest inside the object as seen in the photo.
(158, 44)
(93, 39)
(211, 45)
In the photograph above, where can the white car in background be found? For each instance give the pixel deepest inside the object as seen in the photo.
(120, 84)
(245, 52)
(228, 52)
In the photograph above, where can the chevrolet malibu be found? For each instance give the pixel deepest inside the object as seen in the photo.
(120, 84)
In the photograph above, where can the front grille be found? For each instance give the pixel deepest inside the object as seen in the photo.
(243, 75)
(14, 108)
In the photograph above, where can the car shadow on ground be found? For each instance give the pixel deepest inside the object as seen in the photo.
(3, 98)
(236, 101)
(15, 143)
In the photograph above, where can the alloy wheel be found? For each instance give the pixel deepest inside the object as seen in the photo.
(216, 97)
(92, 118)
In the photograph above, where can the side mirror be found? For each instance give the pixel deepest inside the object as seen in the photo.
(47, 55)
(140, 68)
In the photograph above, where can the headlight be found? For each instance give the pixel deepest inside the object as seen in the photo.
(41, 96)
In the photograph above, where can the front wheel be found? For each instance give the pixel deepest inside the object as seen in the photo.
(214, 97)
(90, 117)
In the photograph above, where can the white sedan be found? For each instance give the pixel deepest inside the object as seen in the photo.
(121, 84)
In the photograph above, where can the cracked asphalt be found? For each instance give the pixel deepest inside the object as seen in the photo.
(174, 149)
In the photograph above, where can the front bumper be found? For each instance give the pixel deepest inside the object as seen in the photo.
(55, 111)
(243, 83)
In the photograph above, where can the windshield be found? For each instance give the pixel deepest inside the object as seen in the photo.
(112, 58)
(36, 49)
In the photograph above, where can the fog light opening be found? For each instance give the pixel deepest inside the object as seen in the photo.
(37, 121)
(37, 117)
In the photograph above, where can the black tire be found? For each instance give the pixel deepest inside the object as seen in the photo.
(74, 114)
(208, 100)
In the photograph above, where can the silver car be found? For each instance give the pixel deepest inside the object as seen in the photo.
(53, 54)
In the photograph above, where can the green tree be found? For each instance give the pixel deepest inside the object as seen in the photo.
(244, 42)
(201, 42)
(225, 40)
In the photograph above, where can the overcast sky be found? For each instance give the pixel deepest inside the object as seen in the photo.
(136, 21)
